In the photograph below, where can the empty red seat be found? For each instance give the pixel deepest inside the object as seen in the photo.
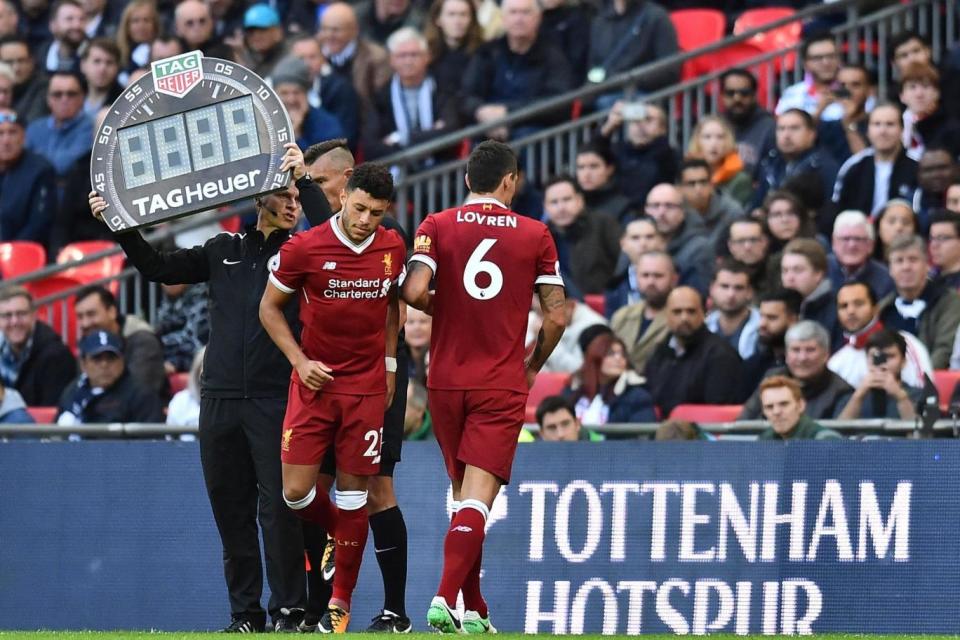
(43, 415)
(59, 315)
(945, 381)
(776, 39)
(547, 384)
(706, 412)
(20, 257)
(178, 381)
(596, 301)
(697, 28)
(106, 267)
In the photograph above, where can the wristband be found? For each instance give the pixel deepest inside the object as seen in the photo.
(391, 364)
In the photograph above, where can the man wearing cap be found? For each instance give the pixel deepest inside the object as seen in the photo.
(27, 185)
(291, 80)
(263, 45)
(105, 391)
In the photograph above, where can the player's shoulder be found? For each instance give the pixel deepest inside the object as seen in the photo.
(390, 238)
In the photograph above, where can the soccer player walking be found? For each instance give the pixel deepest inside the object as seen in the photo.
(331, 163)
(242, 401)
(345, 272)
(485, 262)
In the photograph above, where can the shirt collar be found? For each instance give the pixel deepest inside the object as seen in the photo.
(340, 59)
(347, 242)
(485, 200)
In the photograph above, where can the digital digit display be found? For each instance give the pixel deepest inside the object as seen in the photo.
(192, 141)
(194, 134)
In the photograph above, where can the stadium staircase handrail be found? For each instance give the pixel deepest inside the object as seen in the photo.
(441, 185)
(740, 428)
(620, 81)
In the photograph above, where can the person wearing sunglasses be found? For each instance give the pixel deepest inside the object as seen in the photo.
(752, 125)
(66, 135)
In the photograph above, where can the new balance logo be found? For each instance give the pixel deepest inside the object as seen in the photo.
(462, 528)
(329, 265)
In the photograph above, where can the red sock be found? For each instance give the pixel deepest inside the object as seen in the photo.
(320, 511)
(472, 598)
(461, 550)
(351, 536)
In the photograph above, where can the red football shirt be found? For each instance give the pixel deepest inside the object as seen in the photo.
(344, 289)
(486, 260)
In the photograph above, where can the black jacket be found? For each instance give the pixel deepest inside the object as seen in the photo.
(708, 372)
(609, 199)
(650, 37)
(125, 401)
(47, 370)
(854, 186)
(569, 27)
(588, 249)
(28, 199)
(826, 396)
(241, 360)
(497, 75)
(642, 168)
(72, 221)
(380, 123)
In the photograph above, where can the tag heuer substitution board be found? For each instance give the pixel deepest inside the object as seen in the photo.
(194, 134)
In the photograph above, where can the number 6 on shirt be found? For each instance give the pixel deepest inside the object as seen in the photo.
(477, 265)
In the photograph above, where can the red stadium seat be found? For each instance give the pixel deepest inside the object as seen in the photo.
(772, 39)
(103, 268)
(596, 301)
(945, 381)
(20, 257)
(231, 224)
(737, 55)
(697, 28)
(706, 412)
(43, 415)
(547, 384)
(178, 381)
(60, 315)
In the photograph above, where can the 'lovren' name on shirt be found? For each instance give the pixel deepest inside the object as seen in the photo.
(483, 218)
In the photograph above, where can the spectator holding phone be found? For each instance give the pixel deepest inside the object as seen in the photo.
(882, 393)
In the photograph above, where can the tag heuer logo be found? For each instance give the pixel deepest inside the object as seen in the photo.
(176, 76)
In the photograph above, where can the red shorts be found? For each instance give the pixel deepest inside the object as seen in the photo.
(479, 428)
(314, 420)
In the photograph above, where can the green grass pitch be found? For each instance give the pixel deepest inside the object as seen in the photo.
(140, 635)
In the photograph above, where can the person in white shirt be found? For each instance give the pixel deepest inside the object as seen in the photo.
(857, 315)
(814, 94)
(184, 408)
(868, 180)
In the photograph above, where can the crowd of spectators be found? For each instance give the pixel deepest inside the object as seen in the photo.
(816, 245)
(385, 74)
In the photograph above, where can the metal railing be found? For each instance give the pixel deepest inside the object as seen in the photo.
(135, 294)
(741, 429)
(553, 149)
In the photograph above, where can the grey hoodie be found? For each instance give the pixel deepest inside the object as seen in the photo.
(692, 253)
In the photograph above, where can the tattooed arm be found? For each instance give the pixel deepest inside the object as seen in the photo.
(553, 306)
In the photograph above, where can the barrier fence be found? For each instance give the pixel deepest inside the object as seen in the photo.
(864, 38)
(614, 537)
